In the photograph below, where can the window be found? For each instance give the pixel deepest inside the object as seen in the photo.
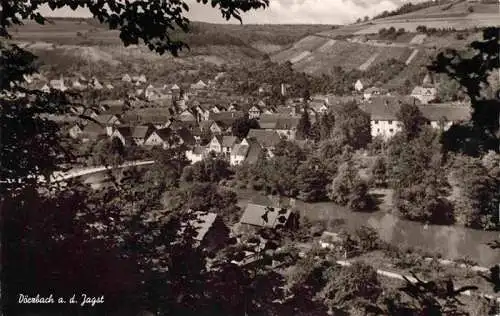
(378, 130)
(390, 122)
(391, 130)
(376, 122)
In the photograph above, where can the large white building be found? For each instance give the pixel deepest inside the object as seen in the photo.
(384, 123)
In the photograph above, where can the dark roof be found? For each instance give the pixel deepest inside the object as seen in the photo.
(229, 141)
(227, 118)
(93, 129)
(205, 125)
(164, 133)
(451, 112)
(141, 131)
(264, 137)
(125, 131)
(253, 152)
(278, 121)
(186, 116)
(186, 136)
(104, 118)
(240, 150)
(202, 224)
(254, 213)
(433, 112)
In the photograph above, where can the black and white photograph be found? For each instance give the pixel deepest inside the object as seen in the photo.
(250, 157)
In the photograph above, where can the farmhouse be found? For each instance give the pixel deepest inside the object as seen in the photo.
(209, 230)
(268, 139)
(254, 112)
(197, 154)
(284, 125)
(424, 95)
(265, 216)
(384, 122)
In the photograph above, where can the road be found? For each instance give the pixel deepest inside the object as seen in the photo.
(75, 173)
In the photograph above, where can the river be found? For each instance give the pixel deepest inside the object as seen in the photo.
(452, 242)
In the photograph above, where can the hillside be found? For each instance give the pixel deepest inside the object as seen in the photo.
(220, 42)
(363, 45)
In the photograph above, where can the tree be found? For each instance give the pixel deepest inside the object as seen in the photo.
(242, 125)
(312, 181)
(109, 153)
(417, 177)
(151, 22)
(352, 127)
(326, 123)
(207, 170)
(477, 205)
(355, 288)
(412, 119)
(379, 172)
(347, 188)
(304, 125)
(472, 71)
(449, 90)
(84, 230)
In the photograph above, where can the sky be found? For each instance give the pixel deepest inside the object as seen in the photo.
(280, 11)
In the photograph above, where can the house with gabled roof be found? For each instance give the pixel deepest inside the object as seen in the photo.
(209, 230)
(238, 154)
(199, 85)
(384, 122)
(358, 86)
(160, 138)
(124, 134)
(75, 131)
(109, 121)
(215, 144)
(168, 138)
(265, 216)
(58, 84)
(424, 94)
(233, 107)
(202, 111)
(226, 119)
(130, 135)
(284, 125)
(186, 116)
(372, 91)
(126, 78)
(92, 131)
(227, 144)
(78, 86)
(268, 139)
(95, 84)
(196, 154)
(254, 112)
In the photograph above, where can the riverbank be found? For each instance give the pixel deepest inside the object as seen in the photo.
(451, 242)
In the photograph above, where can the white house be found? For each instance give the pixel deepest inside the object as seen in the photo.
(196, 154)
(215, 144)
(358, 86)
(126, 78)
(254, 112)
(384, 123)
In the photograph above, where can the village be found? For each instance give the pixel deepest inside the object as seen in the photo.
(201, 115)
(154, 164)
